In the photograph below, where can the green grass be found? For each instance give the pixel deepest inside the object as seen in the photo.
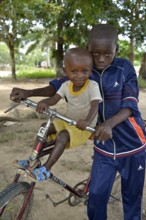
(36, 73)
(141, 83)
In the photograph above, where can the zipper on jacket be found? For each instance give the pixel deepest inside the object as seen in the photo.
(103, 110)
(100, 75)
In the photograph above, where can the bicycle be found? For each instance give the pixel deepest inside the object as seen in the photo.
(23, 192)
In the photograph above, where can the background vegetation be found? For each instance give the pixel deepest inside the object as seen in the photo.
(36, 33)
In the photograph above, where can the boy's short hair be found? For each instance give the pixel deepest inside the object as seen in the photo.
(77, 52)
(101, 31)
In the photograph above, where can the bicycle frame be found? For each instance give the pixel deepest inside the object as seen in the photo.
(78, 193)
(42, 135)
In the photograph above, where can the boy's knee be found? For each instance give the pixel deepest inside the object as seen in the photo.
(63, 136)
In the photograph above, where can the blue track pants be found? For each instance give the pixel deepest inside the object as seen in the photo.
(104, 169)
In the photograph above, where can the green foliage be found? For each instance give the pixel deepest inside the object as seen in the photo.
(132, 15)
(4, 54)
(123, 49)
(32, 59)
(141, 83)
(138, 57)
(124, 52)
(137, 62)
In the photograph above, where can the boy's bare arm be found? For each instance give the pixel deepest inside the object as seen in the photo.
(104, 130)
(17, 93)
(82, 124)
(44, 104)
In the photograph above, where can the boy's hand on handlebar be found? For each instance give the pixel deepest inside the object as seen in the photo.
(18, 94)
(103, 132)
(82, 124)
(42, 106)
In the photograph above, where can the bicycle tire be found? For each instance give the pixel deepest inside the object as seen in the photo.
(13, 197)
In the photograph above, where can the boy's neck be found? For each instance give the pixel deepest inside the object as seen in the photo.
(76, 88)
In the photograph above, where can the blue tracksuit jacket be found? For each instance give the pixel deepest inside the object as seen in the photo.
(119, 89)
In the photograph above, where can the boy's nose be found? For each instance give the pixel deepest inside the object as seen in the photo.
(80, 74)
(101, 59)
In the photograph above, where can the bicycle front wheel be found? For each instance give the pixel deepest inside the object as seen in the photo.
(14, 201)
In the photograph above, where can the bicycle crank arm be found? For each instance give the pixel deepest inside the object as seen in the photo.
(56, 203)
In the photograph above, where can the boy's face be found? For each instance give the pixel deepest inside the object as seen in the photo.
(103, 52)
(78, 70)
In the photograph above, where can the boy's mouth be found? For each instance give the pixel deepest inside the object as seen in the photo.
(101, 66)
(79, 82)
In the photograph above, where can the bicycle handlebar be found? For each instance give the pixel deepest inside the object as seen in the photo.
(50, 112)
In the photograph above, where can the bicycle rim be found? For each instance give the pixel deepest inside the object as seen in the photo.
(13, 197)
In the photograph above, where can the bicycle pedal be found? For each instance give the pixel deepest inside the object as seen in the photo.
(33, 165)
(22, 172)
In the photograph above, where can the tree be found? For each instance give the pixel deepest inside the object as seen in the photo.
(16, 19)
(132, 19)
(68, 27)
(73, 23)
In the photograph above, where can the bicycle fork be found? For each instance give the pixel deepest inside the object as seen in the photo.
(26, 200)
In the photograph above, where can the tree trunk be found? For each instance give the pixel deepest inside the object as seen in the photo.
(60, 43)
(131, 54)
(142, 70)
(12, 55)
(11, 47)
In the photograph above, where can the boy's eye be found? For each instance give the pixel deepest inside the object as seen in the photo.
(95, 54)
(85, 71)
(74, 71)
(107, 54)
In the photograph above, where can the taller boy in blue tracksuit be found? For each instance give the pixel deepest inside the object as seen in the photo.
(120, 128)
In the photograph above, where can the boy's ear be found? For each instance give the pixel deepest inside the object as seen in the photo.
(117, 48)
(64, 70)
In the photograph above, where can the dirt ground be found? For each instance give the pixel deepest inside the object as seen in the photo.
(16, 142)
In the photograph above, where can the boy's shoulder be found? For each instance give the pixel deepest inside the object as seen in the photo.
(92, 82)
(124, 64)
(66, 84)
(121, 61)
